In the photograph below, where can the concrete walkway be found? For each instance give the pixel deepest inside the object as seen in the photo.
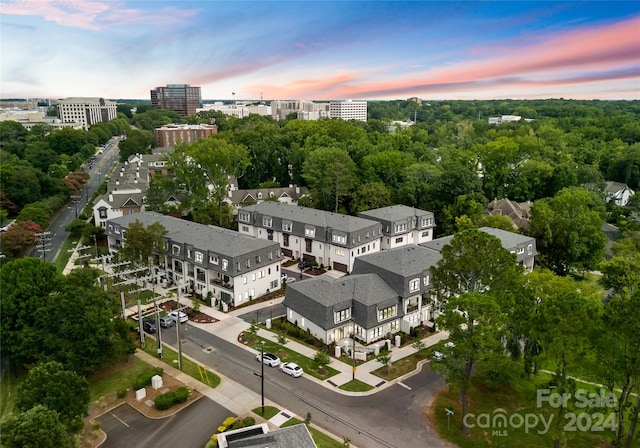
(229, 326)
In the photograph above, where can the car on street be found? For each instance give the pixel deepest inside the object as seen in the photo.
(269, 359)
(288, 280)
(438, 356)
(166, 321)
(183, 316)
(149, 326)
(291, 368)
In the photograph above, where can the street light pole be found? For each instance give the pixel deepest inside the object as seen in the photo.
(262, 373)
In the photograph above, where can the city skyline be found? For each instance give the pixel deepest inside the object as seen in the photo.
(321, 50)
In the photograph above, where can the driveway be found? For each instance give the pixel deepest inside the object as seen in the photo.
(191, 427)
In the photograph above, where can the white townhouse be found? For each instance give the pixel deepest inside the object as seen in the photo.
(329, 239)
(387, 292)
(402, 225)
(231, 267)
(522, 245)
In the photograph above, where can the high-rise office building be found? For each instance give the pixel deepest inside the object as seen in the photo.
(180, 98)
(348, 110)
(86, 111)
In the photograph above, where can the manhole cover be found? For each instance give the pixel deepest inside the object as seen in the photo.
(208, 349)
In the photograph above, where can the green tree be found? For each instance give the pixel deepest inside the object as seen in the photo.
(330, 174)
(25, 285)
(38, 427)
(38, 212)
(618, 355)
(143, 243)
(475, 325)
(60, 390)
(321, 359)
(568, 230)
(385, 360)
(475, 261)
(370, 196)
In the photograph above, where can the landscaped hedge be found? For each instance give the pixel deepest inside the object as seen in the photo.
(145, 378)
(165, 401)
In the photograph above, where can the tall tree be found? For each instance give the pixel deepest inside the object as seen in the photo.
(475, 325)
(330, 174)
(618, 353)
(38, 427)
(475, 261)
(568, 229)
(60, 390)
(142, 243)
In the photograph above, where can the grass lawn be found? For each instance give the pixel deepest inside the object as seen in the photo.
(269, 411)
(8, 387)
(286, 355)
(402, 366)
(117, 377)
(170, 356)
(63, 257)
(356, 386)
(519, 400)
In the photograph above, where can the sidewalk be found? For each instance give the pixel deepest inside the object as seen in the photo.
(229, 327)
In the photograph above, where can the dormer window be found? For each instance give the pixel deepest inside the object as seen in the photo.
(309, 232)
(243, 216)
(267, 221)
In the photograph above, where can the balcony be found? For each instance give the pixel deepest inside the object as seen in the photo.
(412, 308)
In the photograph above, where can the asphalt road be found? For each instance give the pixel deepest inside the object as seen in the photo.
(57, 234)
(191, 427)
(391, 418)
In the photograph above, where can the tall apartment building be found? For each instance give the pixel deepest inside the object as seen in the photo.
(86, 111)
(348, 110)
(180, 98)
(170, 134)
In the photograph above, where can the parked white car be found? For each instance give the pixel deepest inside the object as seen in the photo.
(438, 356)
(291, 368)
(183, 316)
(269, 359)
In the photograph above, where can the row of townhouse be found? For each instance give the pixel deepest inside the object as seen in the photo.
(332, 239)
(212, 261)
(387, 292)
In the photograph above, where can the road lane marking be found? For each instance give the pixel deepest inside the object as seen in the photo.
(119, 419)
(404, 385)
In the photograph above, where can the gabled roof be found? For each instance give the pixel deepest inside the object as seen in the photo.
(398, 265)
(312, 216)
(319, 298)
(394, 213)
(121, 200)
(253, 195)
(614, 187)
(203, 237)
(509, 240)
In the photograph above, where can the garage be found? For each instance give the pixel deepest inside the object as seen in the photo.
(341, 267)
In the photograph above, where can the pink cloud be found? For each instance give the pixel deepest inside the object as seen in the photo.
(561, 59)
(92, 15)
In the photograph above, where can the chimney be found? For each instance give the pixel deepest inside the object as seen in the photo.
(297, 190)
(230, 192)
(117, 182)
(111, 196)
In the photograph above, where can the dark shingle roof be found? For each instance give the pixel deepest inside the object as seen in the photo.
(215, 239)
(317, 299)
(312, 216)
(394, 213)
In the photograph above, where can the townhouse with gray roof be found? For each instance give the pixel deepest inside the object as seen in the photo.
(402, 225)
(387, 291)
(232, 267)
(330, 239)
(522, 245)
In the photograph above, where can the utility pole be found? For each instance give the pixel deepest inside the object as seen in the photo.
(43, 244)
(262, 373)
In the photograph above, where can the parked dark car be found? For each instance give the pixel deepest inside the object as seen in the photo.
(149, 326)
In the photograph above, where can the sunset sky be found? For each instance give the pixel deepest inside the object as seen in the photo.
(321, 50)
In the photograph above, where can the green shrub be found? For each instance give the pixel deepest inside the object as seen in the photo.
(145, 378)
(248, 421)
(122, 393)
(182, 394)
(165, 401)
